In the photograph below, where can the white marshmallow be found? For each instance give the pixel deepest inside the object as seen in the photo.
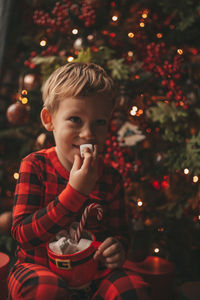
(84, 244)
(67, 246)
(83, 146)
(58, 246)
(71, 247)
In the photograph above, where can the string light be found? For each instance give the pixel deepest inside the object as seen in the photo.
(142, 24)
(16, 175)
(156, 250)
(24, 92)
(195, 178)
(144, 15)
(70, 58)
(75, 31)
(186, 171)
(114, 18)
(43, 43)
(180, 51)
(130, 53)
(131, 35)
(139, 202)
(133, 110)
(24, 100)
(159, 35)
(139, 112)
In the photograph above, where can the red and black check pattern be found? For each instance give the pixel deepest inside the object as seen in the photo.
(36, 282)
(45, 203)
(122, 284)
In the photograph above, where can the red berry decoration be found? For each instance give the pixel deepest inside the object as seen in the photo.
(120, 158)
(18, 114)
(88, 14)
(168, 67)
(62, 16)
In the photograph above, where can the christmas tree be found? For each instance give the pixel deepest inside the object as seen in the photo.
(151, 50)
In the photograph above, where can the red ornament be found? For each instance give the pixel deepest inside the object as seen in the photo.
(5, 222)
(164, 184)
(18, 113)
(156, 184)
(31, 81)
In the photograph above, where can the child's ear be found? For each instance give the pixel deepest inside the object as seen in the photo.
(46, 119)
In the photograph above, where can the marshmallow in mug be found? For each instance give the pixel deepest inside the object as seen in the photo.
(83, 146)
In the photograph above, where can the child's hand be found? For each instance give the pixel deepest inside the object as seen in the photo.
(111, 253)
(84, 172)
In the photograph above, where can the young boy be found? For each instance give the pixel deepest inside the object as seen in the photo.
(56, 184)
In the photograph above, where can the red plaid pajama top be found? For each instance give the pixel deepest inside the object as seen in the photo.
(45, 203)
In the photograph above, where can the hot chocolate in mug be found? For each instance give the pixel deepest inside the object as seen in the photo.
(80, 268)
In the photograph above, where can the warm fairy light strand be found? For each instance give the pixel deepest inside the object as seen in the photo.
(195, 179)
(75, 31)
(16, 175)
(114, 18)
(131, 35)
(186, 171)
(156, 250)
(43, 43)
(70, 58)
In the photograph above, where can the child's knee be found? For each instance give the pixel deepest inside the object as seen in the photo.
(36, 283)
(122, 284)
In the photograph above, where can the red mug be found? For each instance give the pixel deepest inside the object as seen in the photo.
(78, 269)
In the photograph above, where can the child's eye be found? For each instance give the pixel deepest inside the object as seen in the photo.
(76, 120)
(101, 122)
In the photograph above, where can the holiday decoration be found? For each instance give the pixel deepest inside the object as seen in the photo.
(31, 81)
(5, 222)
(18, 114)
(129, 135)
(84, 218)
(80, 43)
(151, 51)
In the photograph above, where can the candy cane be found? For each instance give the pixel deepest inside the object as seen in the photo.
(84, 218)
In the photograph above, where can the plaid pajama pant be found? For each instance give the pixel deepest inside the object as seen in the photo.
(30, 281)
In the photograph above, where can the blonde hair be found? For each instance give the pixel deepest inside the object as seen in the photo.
(76, 80)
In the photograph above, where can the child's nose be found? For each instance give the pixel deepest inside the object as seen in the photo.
(87, 132)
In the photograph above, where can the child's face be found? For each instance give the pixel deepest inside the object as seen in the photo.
(80, 121)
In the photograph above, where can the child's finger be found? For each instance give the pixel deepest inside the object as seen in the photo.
(87, 159)
(95, 152)
(106, 244)
(113, 259)
(97, 255)
(77, 163)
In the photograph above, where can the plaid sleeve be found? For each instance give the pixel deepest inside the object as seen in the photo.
(117, 214)
(33, 222)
